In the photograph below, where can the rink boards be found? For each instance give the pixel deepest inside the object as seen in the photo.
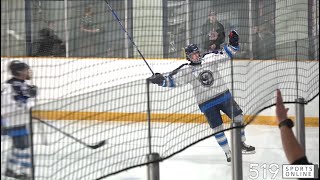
(59, 79)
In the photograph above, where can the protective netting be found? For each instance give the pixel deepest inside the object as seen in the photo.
(104, 96)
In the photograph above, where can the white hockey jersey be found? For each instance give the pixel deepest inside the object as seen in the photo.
(16, 102)
(205, 78)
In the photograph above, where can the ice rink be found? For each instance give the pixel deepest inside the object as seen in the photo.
(206, 160)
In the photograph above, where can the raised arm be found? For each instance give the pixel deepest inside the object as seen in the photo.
(291, 146)
(227, 52)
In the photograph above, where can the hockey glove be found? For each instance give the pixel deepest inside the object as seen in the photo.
(234, 38)
(157, 78)
(33, 91)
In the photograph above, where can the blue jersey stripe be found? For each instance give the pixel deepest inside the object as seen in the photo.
(17, 132)
(227, 51)
(26, 164)
(22, 155)
(215, 102)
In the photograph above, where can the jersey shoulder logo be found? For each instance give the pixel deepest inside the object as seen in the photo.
(206, 78)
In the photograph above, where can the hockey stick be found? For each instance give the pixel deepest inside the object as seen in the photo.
(43, 136)
(130, 38)
(94, 146)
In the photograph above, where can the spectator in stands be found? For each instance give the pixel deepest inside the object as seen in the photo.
(87, 23)
(88, 34)
(17, 97)
(293, 150)
(213, 33)
(49, 43)
(266, 41)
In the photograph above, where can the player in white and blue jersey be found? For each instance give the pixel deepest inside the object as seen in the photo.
(210, 90)
(17, 97)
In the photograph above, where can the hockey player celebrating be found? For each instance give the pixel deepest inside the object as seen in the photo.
(16, 100)
(212, 93)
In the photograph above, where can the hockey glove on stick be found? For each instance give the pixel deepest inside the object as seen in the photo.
(157, 78)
